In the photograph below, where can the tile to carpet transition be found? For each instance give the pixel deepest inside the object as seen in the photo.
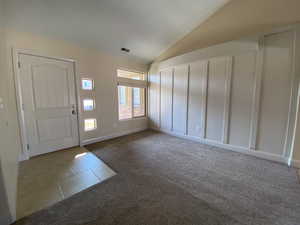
(167, 180)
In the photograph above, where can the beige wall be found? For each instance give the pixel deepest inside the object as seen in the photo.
(89, 63)
(8, 131)
(239, 18)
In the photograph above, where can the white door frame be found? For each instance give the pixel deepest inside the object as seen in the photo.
(16, 71)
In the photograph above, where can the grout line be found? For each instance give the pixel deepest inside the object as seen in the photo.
(99, 180)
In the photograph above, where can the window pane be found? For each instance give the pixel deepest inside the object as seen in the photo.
(88, 105)
(122, 93)
(138, 102)
(87, 84)
(131, 75)
(125, 102)
(90, 124)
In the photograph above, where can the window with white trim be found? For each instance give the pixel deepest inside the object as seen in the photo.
(90, 124)
(131, 94)
(87, 84)
(88, 104)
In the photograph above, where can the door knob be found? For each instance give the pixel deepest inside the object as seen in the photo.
(73, 110)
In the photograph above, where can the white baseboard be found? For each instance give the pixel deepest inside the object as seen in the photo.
(23, 157)
(247, 151)
(296, 163)
(103, 138)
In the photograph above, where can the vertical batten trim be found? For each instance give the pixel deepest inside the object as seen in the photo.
(204, 82)
(172, 101)
(159, 108)
(187, 100)
(229, 64)
(256, 95)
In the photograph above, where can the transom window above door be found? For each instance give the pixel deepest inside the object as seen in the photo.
(131, 94)
(131, 75)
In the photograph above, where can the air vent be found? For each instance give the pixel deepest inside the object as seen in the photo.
(125, 50)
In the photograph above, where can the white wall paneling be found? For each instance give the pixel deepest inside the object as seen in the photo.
(216, 98)
(180, 93)
(293, 107)
(294, 154)
(275, 93)
(197, 98)
(154, 99)
(256, 94)
(244, 100)
(243, 76)
(166, 99)
(227, 99)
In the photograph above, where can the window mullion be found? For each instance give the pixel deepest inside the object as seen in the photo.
(132, 103)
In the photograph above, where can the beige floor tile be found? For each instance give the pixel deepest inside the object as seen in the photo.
(103, 172)
(37, 200)
(46, 179)
(78, 182)
(28, 186)
(85, 162)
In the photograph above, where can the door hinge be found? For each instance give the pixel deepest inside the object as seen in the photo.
(27, 146)
(19, 64)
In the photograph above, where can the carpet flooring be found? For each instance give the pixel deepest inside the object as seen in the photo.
(165, 180)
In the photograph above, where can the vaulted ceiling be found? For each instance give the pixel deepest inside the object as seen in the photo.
(146, 27)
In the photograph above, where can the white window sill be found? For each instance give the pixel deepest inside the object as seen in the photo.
(135, 118)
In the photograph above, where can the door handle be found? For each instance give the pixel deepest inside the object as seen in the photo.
(73, 110)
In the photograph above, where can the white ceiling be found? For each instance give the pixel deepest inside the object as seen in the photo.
(146, 27)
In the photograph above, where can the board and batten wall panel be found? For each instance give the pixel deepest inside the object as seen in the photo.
(154, 98)
(242, 100)
(166, 86)
(180, 91)
(197, 98)
(216, 91)
(275, 92)
(242, 86)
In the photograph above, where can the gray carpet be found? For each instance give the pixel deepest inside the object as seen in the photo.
(168, 180)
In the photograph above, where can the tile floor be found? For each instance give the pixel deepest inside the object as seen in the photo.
(50, 178)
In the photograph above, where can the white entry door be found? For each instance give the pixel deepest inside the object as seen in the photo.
(48, 104)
